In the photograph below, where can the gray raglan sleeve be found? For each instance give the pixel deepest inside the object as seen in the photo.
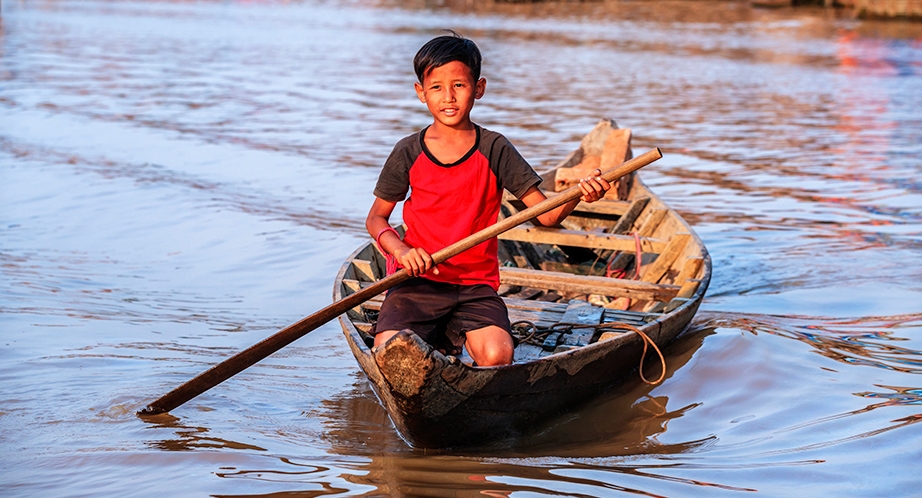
(394, 179)
(512, 170)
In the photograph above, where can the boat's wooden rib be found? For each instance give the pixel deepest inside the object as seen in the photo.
(561, 281)
(580, 238)
(610, 207)
(585, 284)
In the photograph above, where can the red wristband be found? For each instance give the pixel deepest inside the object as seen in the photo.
(390, 260)
(382, 232)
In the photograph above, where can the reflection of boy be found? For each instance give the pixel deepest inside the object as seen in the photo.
(455, 172)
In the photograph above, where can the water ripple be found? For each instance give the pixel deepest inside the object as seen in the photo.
(865, 341)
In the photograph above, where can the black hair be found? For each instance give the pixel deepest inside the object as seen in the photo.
(444, 49)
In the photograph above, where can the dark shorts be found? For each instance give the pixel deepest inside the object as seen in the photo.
(441, 314)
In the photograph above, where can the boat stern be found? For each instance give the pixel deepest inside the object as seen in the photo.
(420, 387)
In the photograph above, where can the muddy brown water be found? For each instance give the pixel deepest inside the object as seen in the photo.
(179, 180)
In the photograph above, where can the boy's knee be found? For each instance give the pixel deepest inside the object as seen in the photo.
(383, 336)
(495, 356)
(490, 347)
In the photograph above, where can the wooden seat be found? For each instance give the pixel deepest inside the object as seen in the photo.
(582, 284)
(577, 238)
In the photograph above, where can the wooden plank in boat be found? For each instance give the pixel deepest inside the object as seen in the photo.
(653, 220)
(657, 270)
(363, 327)
(632, 317)
(364, 269)
(534, 304)
(509, 250)
(577, 238)
(616, 149)
(374, 303)
(611, 315)
(626, 221)
(689, 284)
(592, 268)
(604, 207)
(579, 312)
(660, 267)
(539, 319)
(620, 260)
(523, 255)
(354, 285)
(588, 284)
(527, 293)
(565, 178)
(675, 303)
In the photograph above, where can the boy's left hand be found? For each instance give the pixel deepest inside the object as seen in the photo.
(593, 187)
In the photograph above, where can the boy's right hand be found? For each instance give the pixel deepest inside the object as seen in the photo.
(415, 260)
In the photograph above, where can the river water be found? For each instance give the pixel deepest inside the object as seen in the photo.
(179, 180)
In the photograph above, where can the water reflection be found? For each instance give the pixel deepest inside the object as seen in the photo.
(866, 341)
(863, 55)
(189, 438)
(898, 396)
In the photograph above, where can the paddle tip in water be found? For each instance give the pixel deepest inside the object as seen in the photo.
(149, 411)
(154, 415)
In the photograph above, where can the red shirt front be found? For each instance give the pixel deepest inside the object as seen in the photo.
(449, 202)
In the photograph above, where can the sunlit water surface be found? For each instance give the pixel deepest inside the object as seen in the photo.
(179, 180)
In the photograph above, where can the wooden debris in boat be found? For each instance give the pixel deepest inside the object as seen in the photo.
(615, 151)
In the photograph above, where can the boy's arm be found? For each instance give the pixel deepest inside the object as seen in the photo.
(415, 259)
(592, 187)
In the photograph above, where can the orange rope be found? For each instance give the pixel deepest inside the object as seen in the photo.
(646, 340)
(638, 255)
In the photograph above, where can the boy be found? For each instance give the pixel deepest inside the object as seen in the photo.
(457, 172)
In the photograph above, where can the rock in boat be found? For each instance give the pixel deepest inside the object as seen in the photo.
(575, 288)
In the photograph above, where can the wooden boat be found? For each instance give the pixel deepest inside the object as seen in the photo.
(560, 286)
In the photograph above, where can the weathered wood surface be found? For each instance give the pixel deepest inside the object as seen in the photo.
(579, 238)
(584, 284)
(550, 276)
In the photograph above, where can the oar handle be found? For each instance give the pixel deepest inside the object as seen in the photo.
(253, 354)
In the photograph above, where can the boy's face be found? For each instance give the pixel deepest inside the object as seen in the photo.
(449, 92)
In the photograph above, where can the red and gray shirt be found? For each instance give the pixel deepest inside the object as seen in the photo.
(451, 201)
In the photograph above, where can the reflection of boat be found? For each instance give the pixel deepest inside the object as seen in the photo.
(561, 286)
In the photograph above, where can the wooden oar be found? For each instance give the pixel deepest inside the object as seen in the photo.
(250, 356)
